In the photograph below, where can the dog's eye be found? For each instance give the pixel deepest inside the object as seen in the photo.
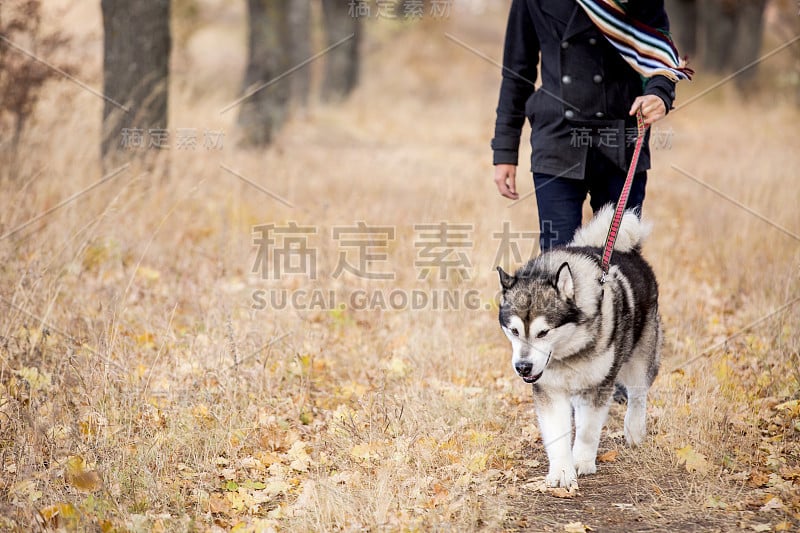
(515, 332)
(542, 334)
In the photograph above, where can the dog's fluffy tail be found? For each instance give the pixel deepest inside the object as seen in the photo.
(632, 231)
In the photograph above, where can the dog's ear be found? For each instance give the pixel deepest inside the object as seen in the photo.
(564, 283)
(506, 280)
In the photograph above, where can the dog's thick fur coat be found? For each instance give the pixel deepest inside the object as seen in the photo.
(574, 338)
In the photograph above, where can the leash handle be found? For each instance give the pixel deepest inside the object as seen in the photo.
(613, 230)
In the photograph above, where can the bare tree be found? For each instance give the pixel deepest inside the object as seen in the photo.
(726, 34)
(342, 62)
(683, 25)
(300, 49)
(22, 77)
(136, 46)
(264, 109)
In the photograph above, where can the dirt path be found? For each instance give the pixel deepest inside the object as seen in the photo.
(630, 493)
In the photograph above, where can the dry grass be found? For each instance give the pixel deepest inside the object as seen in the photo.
(133, 305)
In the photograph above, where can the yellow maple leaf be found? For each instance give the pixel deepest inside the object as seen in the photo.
(51, 513)
(80, 477)
(693, 461)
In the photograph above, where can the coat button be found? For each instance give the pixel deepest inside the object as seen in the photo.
(592, 40)
(566, 80)
(597, 78)
(599, 114)
(569, 113)
(565, 45)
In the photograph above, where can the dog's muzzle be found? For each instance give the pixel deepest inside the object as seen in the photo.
(525, 371)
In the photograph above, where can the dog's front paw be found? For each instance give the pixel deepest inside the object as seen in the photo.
(565, 477)
(586, 467)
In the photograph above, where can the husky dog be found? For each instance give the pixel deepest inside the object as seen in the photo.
(574, 337)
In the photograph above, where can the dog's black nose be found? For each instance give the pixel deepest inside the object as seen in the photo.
(523, 369)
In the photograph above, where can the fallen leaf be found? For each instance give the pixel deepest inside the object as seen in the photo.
(713, 502)
(38, 381)
(300, 458)
(774, 504)
(758, 479)
(365, 451)
(477, 462)
(275, 487)
(25, 490)
(783, 526)
(760, 527)
(89, 481)
(577, 527)
(80, 477)
(792, 405)
(52, 513)
(608, 457)
(693, 460)
(397, 367)
(148, 273)
(268, 458)
(561, 492)
(252, 485)
(219, 504)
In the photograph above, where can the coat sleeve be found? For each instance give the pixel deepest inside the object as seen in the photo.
(520, 59)
(654, 15)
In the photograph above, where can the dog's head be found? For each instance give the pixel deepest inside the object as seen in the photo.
(538, 315)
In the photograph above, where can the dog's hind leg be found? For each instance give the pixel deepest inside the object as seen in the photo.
(637, 374)
(590, 415)
(633, 375)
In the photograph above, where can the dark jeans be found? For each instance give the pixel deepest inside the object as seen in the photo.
(560, 200)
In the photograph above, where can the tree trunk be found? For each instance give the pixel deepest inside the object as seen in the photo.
(342, 62)
(263, 111)
(730, 34)
(717, 32)
(683, 25)
(300, 50)
(747, 46)
(136, 50)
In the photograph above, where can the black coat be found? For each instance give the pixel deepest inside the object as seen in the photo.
(586, 88)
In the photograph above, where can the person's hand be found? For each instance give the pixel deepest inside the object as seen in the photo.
(653, 108)
(505, 177)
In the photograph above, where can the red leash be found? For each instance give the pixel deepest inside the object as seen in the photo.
(613, 230)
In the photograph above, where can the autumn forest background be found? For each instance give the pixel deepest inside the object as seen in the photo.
(247, 279)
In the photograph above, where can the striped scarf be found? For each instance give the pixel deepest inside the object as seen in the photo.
(648, 50)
